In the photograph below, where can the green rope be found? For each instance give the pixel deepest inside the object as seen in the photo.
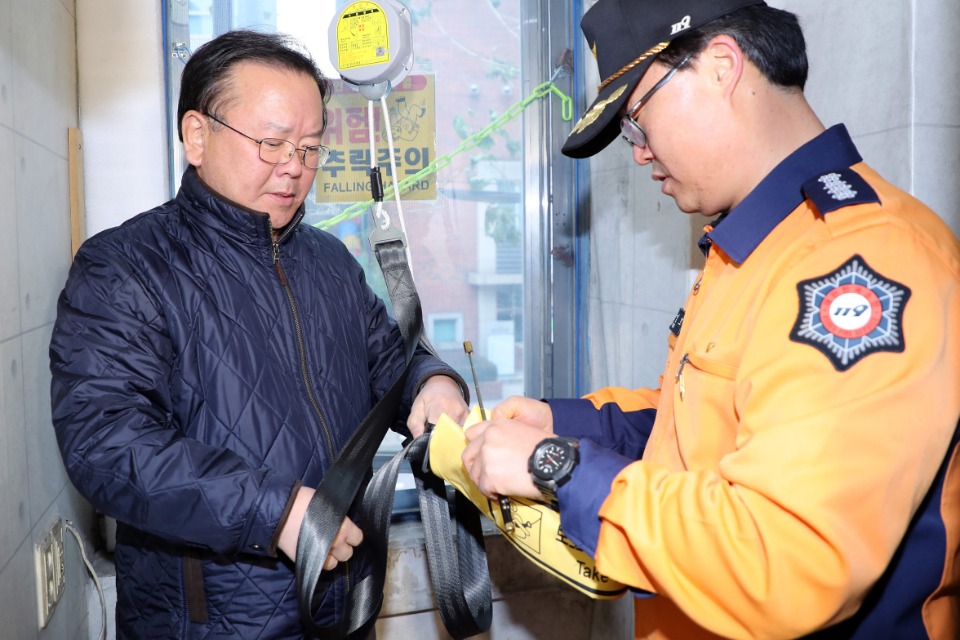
(566, 112)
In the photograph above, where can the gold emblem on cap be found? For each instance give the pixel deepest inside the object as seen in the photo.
(651, 52)
(594, 50)
(591, 116)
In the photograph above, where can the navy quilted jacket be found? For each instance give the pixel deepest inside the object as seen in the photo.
(201, 372)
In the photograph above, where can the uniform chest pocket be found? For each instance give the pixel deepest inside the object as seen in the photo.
(705, 407)
(703, 362)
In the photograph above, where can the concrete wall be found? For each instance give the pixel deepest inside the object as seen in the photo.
(886, 68)
(38, 103)
(39, 89)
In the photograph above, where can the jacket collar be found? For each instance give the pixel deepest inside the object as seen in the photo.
(226, 217)
(740, 231)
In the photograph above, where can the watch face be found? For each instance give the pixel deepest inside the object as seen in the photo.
(550, 459)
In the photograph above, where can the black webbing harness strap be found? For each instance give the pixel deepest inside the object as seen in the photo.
(460, 580)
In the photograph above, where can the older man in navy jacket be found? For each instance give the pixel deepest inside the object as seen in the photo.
(212, 356)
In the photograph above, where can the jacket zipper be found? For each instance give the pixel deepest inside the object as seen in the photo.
(303, 352)
(305, 373)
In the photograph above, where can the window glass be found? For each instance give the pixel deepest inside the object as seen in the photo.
(463, 209)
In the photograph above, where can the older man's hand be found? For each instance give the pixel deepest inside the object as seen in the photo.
(439, 395)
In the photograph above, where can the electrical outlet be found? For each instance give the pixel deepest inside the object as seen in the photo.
(51, 574)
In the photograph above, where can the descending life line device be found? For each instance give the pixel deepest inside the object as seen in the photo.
(536, 531)
(371, 46)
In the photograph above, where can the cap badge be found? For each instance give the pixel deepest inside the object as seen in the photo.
(594, 50)
(591, 116)
(680, 26)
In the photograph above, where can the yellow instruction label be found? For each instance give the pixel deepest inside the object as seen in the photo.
(363, 36)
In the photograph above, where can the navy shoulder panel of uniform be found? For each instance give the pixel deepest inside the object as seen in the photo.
(837, 189)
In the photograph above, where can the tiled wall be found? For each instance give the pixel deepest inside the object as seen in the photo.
(886, 68)
(38, 103)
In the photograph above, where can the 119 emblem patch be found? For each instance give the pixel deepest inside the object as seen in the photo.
(851, 313)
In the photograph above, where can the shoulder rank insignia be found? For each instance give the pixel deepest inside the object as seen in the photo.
(837, 189)
(850, 313)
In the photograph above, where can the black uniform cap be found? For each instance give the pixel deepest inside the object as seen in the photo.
(625, 37)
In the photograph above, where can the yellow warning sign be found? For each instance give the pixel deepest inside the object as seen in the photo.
(411, 107)
(363, 36)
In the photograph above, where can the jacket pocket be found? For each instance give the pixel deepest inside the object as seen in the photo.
(193, 587)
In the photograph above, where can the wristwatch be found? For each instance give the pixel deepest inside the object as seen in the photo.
(552, 464)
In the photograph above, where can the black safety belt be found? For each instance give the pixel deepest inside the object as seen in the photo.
(460, 578)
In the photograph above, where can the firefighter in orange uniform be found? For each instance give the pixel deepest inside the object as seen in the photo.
(797, 473)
